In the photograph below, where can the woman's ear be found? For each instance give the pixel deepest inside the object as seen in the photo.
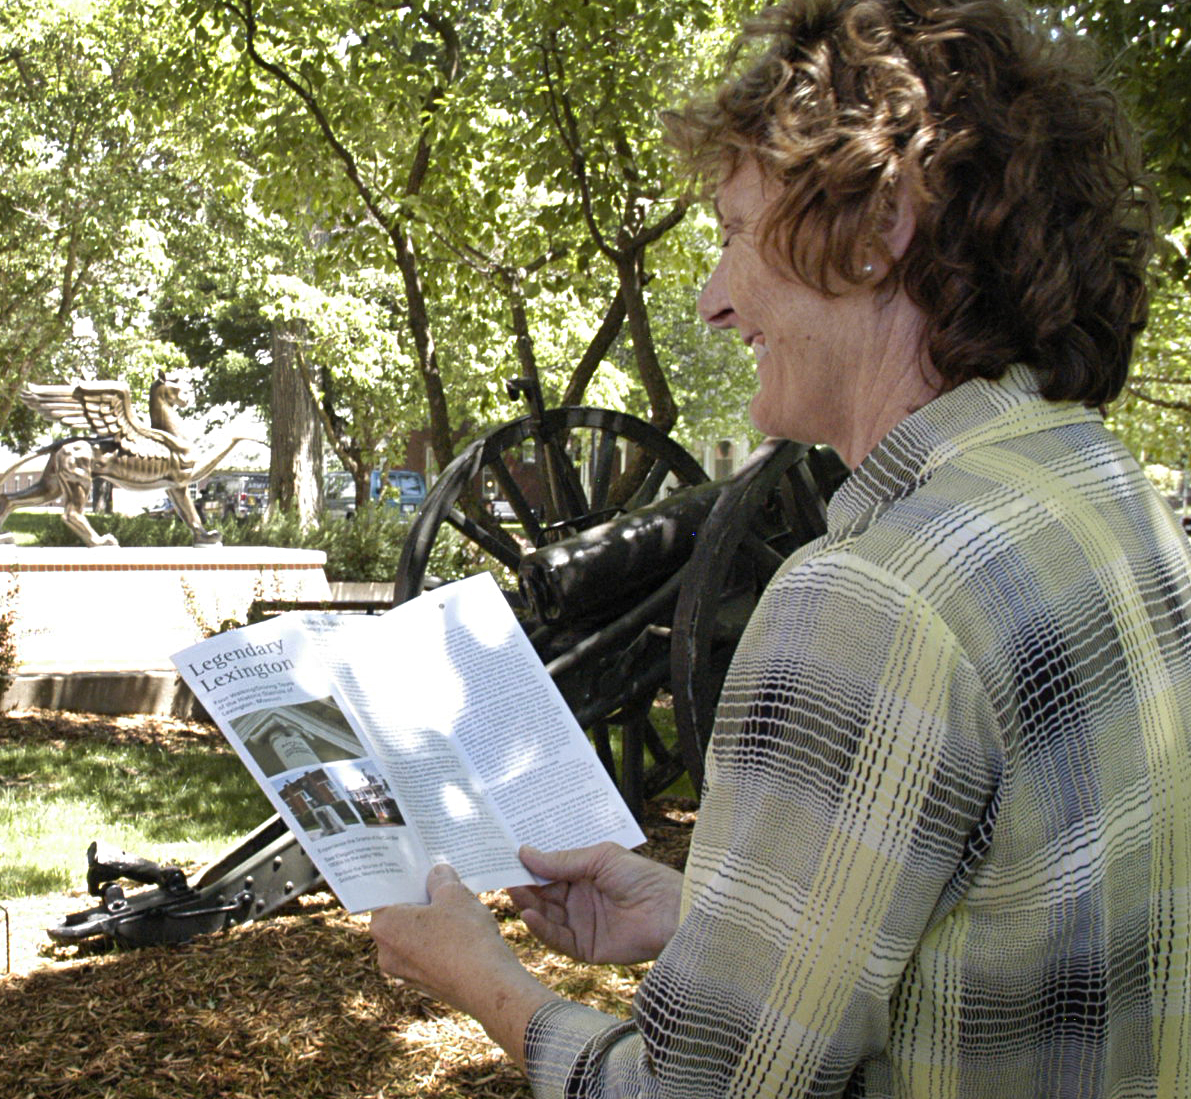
(901, 223)
(898, 225)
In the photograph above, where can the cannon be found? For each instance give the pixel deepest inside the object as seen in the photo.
(633, 575)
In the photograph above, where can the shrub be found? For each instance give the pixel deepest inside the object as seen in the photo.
(130, 530)
(8, 653)
(365, 547)
(27, 526)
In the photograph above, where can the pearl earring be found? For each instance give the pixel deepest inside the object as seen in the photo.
(867, 271)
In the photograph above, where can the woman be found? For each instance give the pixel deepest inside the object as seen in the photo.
(945, 837)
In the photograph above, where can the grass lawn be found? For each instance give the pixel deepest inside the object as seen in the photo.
(27, 525)
(151, 787)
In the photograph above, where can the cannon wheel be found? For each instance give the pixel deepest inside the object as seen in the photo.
(551, 500)
(775, 503)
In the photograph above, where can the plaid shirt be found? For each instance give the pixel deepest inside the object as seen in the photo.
(945, 840)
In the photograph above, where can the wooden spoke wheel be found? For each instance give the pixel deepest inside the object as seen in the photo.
(562, 471)
(774, 504)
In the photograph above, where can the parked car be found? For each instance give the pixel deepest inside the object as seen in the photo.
(235, 495)
(339, 495)
(403, 489)
(162, 509)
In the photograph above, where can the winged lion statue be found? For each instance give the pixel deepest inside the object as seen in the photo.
(120, 448)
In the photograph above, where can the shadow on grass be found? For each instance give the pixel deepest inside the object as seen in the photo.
(24, 879)
(171, 795)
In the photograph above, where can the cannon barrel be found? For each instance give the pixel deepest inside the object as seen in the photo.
(602, 570)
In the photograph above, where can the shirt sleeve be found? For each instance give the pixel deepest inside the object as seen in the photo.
(850, 791)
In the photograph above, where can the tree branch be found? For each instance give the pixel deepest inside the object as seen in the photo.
(316, 398)
(1177, 406)
(247, 18)
(563, 116)
(652, 232)
(17, 57)
(450, 70)
(1158, 379)
(597, 349)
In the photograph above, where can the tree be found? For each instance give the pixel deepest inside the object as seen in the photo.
(1147, 57)
(600, 73)
(219, 308)
(1154, 416)
(79, 179)
(443, 142)
(353, 365)
(298, 71)
(1144, 47)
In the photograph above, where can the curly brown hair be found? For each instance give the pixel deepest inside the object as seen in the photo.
(1033, 220)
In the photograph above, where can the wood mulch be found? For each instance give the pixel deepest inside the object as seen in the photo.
(290, 1007)
(59, 726)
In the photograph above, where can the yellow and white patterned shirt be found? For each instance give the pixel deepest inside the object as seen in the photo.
(945, 840)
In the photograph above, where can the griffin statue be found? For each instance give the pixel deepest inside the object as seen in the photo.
(121, 449)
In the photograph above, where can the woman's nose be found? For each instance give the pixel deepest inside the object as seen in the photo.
(715, 306)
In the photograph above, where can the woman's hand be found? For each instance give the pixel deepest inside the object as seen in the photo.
(603, 903)
(451, 949)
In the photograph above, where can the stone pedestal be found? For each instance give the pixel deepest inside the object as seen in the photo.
(94, 628)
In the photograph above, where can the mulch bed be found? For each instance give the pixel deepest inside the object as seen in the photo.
(291, 1007)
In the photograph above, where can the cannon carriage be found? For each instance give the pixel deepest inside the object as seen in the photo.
(631, 572)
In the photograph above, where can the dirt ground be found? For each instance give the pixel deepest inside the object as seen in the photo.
(290, 1007)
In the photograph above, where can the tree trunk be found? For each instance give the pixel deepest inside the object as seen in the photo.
(419, 324)
(662, 409)
(296, 454)
(524, 338)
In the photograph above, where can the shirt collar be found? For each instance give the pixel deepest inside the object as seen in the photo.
(976, 413)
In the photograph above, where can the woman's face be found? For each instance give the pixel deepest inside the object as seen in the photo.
(808, 346)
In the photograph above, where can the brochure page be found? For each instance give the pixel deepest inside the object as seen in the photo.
(280, 708)
(389, 743)
(514, 727)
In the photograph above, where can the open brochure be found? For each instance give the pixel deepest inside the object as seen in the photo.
(388, 743)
